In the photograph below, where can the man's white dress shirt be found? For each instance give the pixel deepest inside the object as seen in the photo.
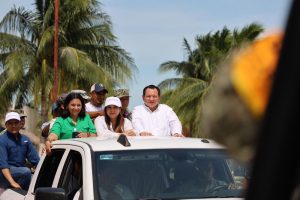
(161, 122)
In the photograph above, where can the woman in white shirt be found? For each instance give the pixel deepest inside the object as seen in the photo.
(112, 124)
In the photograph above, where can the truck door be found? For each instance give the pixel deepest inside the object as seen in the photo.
(71, 176)
(46, 173)
(49, 168)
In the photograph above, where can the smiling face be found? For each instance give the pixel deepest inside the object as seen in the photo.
(97, 98)
(151, 98)
(113, 111)
(74, 107)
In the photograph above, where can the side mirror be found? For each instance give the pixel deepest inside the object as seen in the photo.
(48, 193)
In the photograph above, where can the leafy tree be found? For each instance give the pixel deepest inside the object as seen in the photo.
(185, 93)
(88, 52)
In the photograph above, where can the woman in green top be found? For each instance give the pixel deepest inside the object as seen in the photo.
(73, 123)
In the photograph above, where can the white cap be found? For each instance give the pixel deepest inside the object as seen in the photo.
(113, 101)
(12, 115)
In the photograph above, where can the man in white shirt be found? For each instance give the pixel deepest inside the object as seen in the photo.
(95, 107)
(153, 118)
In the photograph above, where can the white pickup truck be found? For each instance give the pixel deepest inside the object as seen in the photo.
(131, 168)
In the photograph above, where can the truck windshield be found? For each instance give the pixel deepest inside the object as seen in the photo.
(168, 174)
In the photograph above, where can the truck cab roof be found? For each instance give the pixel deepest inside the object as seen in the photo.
(151, 142)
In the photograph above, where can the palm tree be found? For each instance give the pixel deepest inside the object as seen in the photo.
(185, 93)
(88, 52)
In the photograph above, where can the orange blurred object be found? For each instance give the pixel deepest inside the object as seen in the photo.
(253, 71)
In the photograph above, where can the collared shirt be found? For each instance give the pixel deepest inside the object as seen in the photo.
(64, 127)
(89, 107)
(15, 151)
(161, 122)
(102, 129)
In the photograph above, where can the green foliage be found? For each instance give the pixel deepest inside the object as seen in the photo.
(186, 93)
(88, 52)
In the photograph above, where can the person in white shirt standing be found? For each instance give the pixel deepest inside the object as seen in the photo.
(95, 107)
(154, 119)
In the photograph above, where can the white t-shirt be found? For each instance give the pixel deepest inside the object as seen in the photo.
(102, 129)
(161, 122)
(89, 107)
(51, 122)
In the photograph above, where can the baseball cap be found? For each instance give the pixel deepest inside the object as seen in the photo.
(82, 93)
(113, 101)
(121, 93)
(98, 87)
(20, 112)
(12, 115)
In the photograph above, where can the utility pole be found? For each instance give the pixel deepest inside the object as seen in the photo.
(55, 84)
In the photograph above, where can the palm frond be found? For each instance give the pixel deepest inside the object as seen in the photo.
(18, 20)
(187, 47)
(169, 84)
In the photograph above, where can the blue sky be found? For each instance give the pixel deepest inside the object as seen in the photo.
(152, 31)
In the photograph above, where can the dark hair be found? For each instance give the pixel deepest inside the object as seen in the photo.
(151, 87)
(59, 107)
(67, 100)
(119, 128)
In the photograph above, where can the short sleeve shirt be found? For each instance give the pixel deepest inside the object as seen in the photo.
(64, 127)
(89, 107)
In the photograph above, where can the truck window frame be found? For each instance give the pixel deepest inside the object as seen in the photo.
(49, 169)
(68, 169)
